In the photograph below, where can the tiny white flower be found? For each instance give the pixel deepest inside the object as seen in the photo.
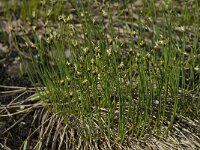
(109, 51)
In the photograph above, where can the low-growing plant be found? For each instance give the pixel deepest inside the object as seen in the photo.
(106, 88)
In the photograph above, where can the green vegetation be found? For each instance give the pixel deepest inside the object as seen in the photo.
(113, 72)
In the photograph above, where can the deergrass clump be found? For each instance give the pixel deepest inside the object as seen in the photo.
(108, 88)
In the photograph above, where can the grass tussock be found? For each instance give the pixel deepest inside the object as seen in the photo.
(113, 73)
